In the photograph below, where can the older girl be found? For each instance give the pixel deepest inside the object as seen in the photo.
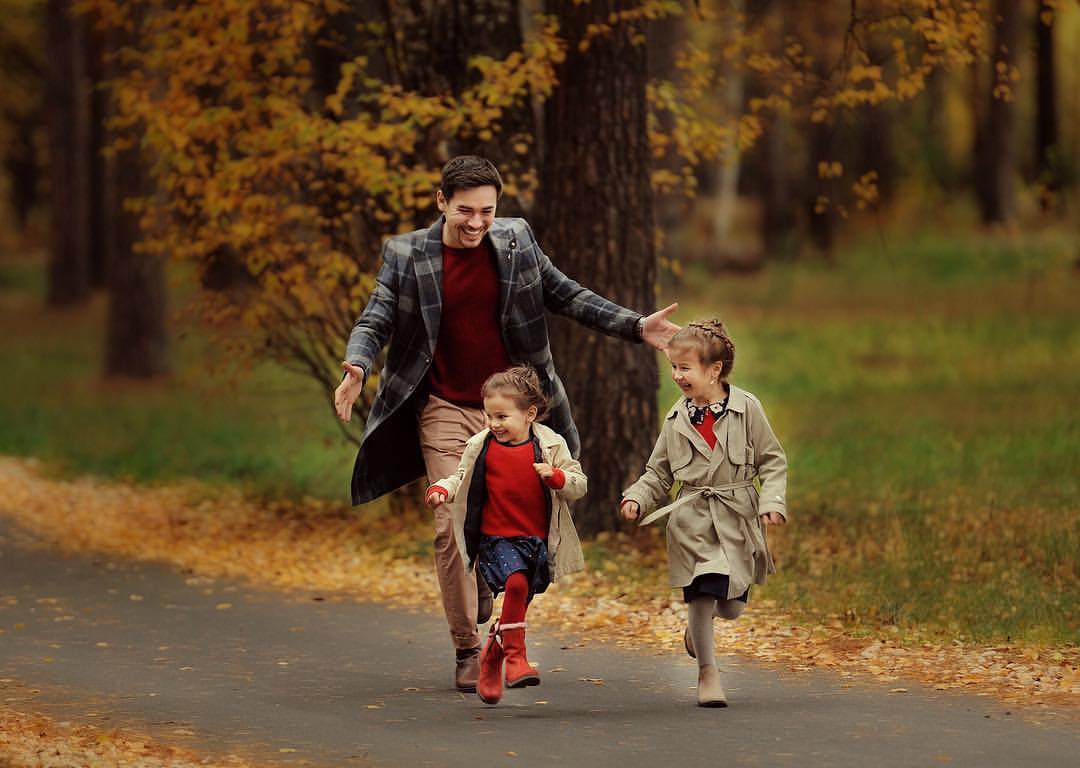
(717, 444)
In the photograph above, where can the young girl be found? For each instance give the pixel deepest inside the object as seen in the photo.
(517, 476)
(715, 441)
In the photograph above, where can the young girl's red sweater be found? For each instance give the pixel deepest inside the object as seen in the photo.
(515, 496)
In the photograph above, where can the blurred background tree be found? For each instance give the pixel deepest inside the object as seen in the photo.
(265, 148)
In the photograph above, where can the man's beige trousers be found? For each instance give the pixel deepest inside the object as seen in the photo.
(444, 428)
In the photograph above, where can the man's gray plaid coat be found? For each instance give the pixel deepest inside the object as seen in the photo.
(404, 310)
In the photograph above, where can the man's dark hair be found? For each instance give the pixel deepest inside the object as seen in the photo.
(467, 172)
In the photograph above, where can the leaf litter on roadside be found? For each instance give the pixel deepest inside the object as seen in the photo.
(35, 741)
(622, 599)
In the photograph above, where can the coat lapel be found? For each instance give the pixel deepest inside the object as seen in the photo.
(736, 404)
(504, 244)
(719, 454)
(428, 266)
(683, 426)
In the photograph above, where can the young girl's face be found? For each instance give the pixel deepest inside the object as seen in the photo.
(507, 420)
(697, 380)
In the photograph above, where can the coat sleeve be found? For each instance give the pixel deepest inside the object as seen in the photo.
(576, 484)
(770, 460)
(565, 296)
(655, 484)
(376, 323)
(452, 484)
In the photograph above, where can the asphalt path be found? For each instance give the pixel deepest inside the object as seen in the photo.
(225, 667)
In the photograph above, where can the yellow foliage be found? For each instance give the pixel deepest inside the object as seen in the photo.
(298, 189)
(256, 162)
(32, 740)
(866, 190)
(830, 170)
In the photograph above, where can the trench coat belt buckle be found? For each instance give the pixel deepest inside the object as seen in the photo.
(705, 491)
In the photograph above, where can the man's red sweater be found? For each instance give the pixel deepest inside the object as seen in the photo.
(470, 346)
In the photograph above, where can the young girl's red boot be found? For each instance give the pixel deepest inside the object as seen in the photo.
(490, 688)
(519, 673)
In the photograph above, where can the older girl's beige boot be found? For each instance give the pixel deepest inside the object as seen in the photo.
(709, 691)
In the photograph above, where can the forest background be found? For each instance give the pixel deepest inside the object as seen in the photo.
(879, 198)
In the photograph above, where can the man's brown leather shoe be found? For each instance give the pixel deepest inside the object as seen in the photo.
(485, 604)
(467, 670)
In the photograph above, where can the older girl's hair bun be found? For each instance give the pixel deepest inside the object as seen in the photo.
(711, 340)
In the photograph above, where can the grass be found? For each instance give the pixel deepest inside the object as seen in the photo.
(926, 393)
(923, 385)
(267, 430)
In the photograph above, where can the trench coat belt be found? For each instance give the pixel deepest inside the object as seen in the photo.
(705, 491)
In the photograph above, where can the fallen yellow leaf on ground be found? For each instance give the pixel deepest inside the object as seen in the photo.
(36, 741)
(318, 545)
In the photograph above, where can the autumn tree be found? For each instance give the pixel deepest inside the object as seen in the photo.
(295, 146)
(816, 74)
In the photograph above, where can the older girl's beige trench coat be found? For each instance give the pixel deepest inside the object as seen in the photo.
(713, 525)
(564, 546)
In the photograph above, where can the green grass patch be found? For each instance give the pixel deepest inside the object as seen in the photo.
(268, 430)
(925, 390)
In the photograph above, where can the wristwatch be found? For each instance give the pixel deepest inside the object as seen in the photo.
(640, 327)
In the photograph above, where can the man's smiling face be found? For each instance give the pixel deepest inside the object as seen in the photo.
(469, 214)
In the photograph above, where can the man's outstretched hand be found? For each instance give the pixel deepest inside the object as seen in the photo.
(658, 330)
(348, 390)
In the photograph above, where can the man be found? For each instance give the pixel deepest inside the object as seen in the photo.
(458, 302)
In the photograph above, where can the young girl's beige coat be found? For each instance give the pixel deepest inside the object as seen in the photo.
(718, 531)
(564, 546)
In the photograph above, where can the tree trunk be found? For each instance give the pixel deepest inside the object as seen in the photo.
(97, 210)
(597, 226)
(666, 37)
(875, 151)
(1047, 151)
(67, 105)
(771, 164)
(22, 164)
(822, 196)
(136, 339)
(822, 205)
(779, 220)
(998, 163)
(732, 96)
(936, 132)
